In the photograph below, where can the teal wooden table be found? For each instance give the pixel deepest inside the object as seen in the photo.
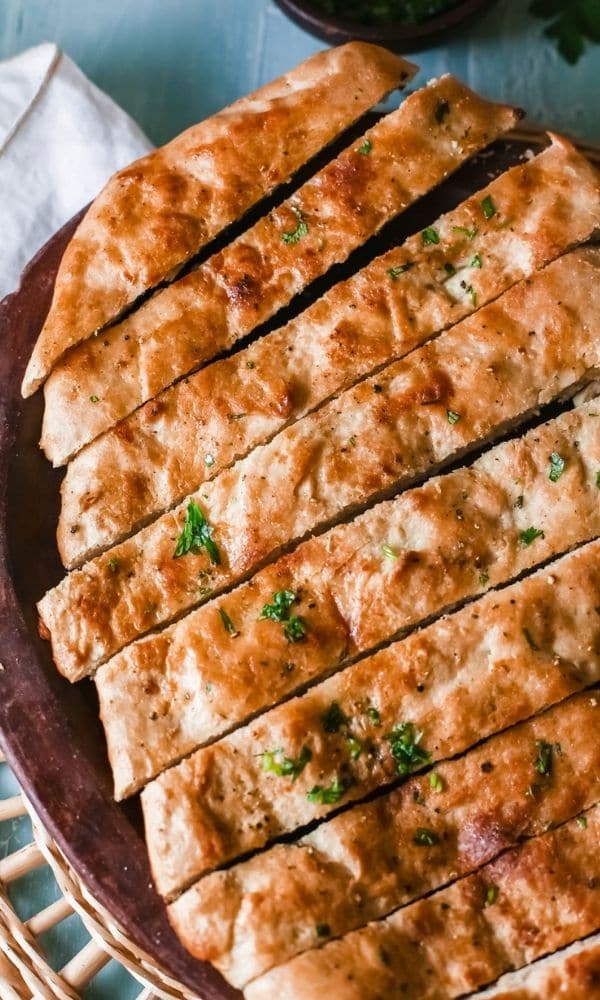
(170, 64)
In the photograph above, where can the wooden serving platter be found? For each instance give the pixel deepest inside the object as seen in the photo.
(50, 730)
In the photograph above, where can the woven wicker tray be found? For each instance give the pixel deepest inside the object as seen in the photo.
(94, 848)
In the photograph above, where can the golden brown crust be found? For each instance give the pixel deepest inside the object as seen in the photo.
(572, 974)
(548, 895)
(242, 806)
(158, 454)
(363, 864)
(214, 172)
(240, 287)
(194, 681)
(489, 370)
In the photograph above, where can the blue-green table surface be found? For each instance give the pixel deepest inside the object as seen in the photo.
(172, 62)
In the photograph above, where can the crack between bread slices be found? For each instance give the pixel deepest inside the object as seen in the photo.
(376, 439)
(188, 433)
(336, 211)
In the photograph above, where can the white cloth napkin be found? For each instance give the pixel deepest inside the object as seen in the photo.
(60, 139)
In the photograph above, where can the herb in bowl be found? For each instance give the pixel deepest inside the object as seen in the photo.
(384, 11)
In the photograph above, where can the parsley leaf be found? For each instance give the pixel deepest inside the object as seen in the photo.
(395, 272)
(295, 629)
(365, 148)
(530, 534)
(582, 822)
(279, 610)
(430, 236)
(196, 535)
(404, 741)
(388, 552)
(425, 838)
(228, 624)
(275, 762)
(94, 399)
(113, 564)
(330, 795)
(453, 417)
(488, 208)
(436, 782)
(301, 229)
(374, 715)
(355, 747)
(465, 231)
(557, 467)
(476, 262)
(491, 895)
(543, 761)
(323, 930)
(571, 23)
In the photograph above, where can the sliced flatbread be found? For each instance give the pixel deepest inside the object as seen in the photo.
(490, 372)
(157, 213)
(546, 894)
(359, 584)
(190, 432)
(363, 864)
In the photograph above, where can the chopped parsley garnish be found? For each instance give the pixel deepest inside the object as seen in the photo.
(543, 761)
(94, 399)
(228, 624)
(491, 895)
(436, 782)
(530, 534)
(365, 148)
(352, 440)
(295, 629)
(279, 610)
(519, 501)
(355, 747)
(425, 838)
(530, 640)
(389, 552)
(476, 262)
(330, 795)
(449, 269)
(484, 579)
(334, 718)
(113, 564)
(472, 293)
(442, 109)
(395, 272)
(453, 417)
(488, 207)
(208, 461)
(249, 364)
(301, 229)
(196, 535)
(323, 930)
(430, 236)
(374, 715)
(557, 467)
(582, 822)
(275, 762)
(404, 741)
(465, 231)
(598, 479)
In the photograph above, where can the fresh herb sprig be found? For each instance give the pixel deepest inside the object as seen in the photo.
(572, 24)
(196, 535)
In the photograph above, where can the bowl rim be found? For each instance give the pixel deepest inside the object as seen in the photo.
(313, 20)
(91, 831)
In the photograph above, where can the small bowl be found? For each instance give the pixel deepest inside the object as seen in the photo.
(394, 35)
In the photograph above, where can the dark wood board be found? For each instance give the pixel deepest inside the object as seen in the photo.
(50, 730)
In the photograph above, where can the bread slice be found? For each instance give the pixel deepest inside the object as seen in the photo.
(356, 586)
(407, 153)
(535, 898)
(154, 215)
(363, 864)
(195, 429)
(571, 974)
(486, 374)
(228, 799)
